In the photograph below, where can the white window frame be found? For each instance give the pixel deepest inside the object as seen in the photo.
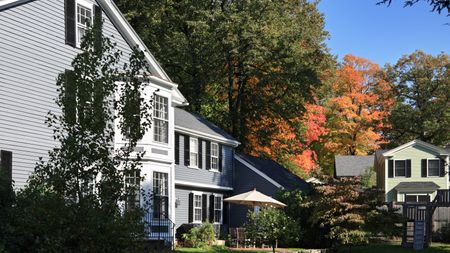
(194, 207)
(164, 118)
(214, 156)
(428, 166)
(417, 196)
(164, 187)
(193, 150)
(135, 179)
(395, 174)
(221, 208)
(86, 5)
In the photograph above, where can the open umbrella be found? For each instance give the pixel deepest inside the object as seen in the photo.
(254, 198)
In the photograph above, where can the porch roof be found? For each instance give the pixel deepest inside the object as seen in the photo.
(417, 186)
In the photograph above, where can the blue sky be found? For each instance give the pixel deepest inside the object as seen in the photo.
(383, 34)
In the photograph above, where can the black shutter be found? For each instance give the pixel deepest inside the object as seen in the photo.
(69, 99)
(98, 28)
(191, 208)
(220, 157)
(208, 155)
(186, 150)
(408, 168)
(70, 22)
(390, 168)
(424, 167)
(442, 167)
(204, 207)
(211, 208)
(200, 154)
(225, 207)
(6, 165)
(177, 148)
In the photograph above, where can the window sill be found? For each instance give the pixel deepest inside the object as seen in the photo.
(193, 167)
(215, 170)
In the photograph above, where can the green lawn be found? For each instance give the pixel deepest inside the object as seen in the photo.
(374, 248)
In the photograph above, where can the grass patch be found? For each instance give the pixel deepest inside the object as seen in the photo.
(393, 247)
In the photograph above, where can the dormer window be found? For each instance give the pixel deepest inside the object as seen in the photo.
(84, 19)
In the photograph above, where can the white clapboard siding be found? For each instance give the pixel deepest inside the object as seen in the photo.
(32, 54)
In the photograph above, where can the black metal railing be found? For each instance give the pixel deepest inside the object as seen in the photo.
(161, 228)
(442, 196)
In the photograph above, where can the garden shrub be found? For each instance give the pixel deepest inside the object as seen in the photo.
(200, 236)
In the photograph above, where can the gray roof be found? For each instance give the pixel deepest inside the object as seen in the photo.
(276, 172)
(196, 122)
(417, 185)
(352, 165)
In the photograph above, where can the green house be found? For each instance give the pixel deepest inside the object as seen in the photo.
(412, 172)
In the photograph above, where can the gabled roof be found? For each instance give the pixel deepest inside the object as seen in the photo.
(427, 145)
(352, 165)
(130, 36)
(273, 172)
(194, 124)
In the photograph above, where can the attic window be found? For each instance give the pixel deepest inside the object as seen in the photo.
(84, 19)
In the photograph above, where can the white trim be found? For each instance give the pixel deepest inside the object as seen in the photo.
(386, 177)
(210, 137)
(248, 165)
(439, 167)
(200, 185)
(193, 151)
(87, 5)
(406, 169)
(221, 208)
(217, 157)
(434, 148)
(197, 193)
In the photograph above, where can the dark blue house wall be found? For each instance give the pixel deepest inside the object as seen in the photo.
(245, 180)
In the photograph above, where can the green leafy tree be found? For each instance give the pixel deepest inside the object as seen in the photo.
(369, 178)
(72, 201)
(235, 58)
(421, 84)
(269, 225)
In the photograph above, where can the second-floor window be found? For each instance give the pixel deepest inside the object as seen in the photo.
(84, 20)
(193, 152)
(214, 156)
(433, 168)
(161, 119)
(400, 168)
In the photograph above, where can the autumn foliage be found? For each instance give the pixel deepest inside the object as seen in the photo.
(347, 119)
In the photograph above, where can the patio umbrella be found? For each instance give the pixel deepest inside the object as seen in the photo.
(254, 198)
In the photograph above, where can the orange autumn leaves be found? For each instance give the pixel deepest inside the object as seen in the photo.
(347, 120)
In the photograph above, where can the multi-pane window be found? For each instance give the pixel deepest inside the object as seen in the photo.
(161, 119)
(197, 208)
(84, 20)
(160, 194)
(132, 184)
(400, 168)
(433, 167)
(417, 198)
(214, 156)
(217, 209)
(193, 152)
